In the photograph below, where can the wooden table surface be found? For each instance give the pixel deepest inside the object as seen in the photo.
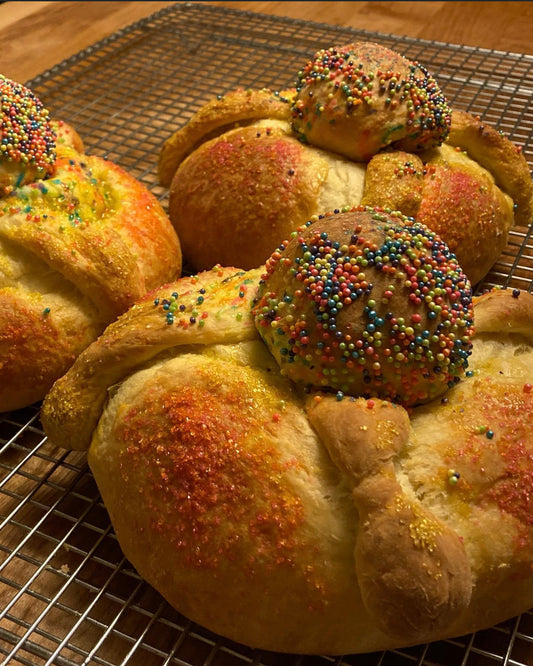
(37, 35)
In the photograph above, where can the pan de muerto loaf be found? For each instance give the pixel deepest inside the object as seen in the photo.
(80, 241)
(309, 520)
(362, 126)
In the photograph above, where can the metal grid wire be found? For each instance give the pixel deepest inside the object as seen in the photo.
(67, 594)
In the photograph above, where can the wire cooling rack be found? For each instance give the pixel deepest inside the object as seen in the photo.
(67, 594)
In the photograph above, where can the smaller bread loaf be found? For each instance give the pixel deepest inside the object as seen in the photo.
(300, 520)
(370, 128)
(80, 241)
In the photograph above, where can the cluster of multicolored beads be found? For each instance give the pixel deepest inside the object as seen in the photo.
(186, 313)
(338, 67)
(192, 306)
(70, 199)
(352, 328)
(426, 107)
(26, 137)
(407, 169)
(425, 101)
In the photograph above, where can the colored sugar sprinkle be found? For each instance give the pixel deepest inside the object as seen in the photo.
(342, 69)
(27, 137)
(311, 326)
(186, 308)
(453, 477)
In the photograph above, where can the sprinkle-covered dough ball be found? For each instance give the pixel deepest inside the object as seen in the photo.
(367, 303)
(358, 99)
(27, 140)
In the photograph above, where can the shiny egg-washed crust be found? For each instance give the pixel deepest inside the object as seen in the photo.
(76, 250)
(354, 108)
(410, 589)
(214, 118)
(504, 311)
(154, 324)
(97, 226)
(358, 99)
(453, 195)
(471, 190)
(494, 152)
(301, 522)
(243, 193)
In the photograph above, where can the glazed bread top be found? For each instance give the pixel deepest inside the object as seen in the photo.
(27, 150)
(80, 241)
(367, 303)
(204, 309)
(239, 107)
(362, 126)
(360, 98)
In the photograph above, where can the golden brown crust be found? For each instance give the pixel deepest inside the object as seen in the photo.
(76, 250)
(470, 459)
(504, 312)
(395, 180)
(40, 326)
(502, 158)
(244, 481)
(357, 99)
(276, 503)
(243, 194)
(77, 238)
(71, 409)
(412, 569)
(461, 202)
(220, 114)
(362, 436)
(453, 195)
(268, 184)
